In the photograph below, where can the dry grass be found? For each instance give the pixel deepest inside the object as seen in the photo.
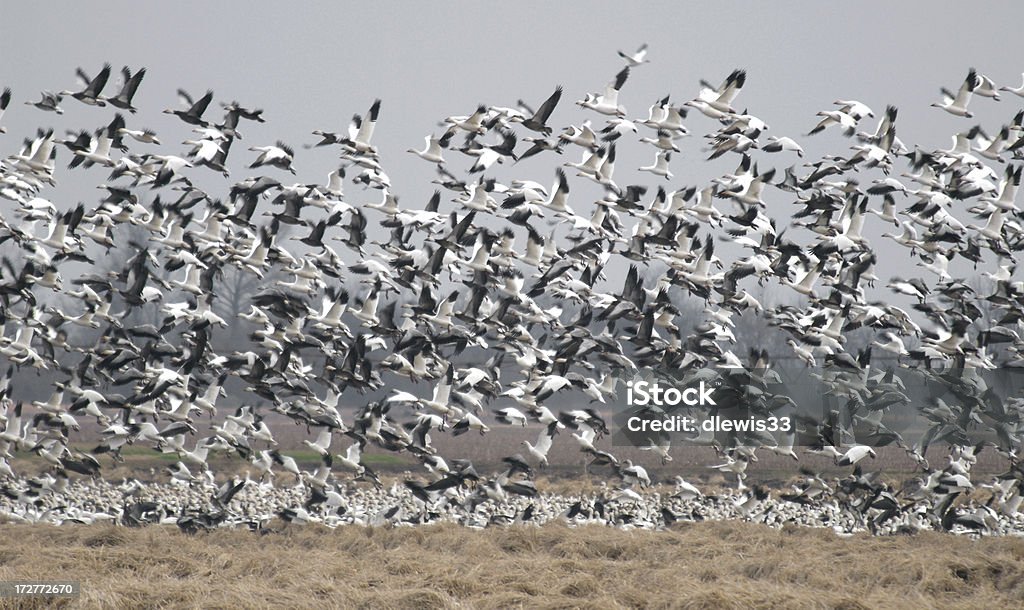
(707, 565)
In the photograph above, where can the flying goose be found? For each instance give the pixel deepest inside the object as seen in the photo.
(720, 100)
(608, 102)
(1018, 91)
(359, 141)
(279, 155)
(48, 101)
(636, 58)
(538, 122)
(193, 115)
(123, 99)
(92, 93)
(5, 100)
(957, 105)
(433, 150)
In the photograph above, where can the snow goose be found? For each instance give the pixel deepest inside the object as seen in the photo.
(664, 141)
(663, 116)
(656, 113)
(5, 100)
(539, 452)
(858, 110)
(608, 102)
(892, 343)
(432, 151)
(721, 99)
(989, 148)
(511, 416)
(352, 457)
(538, 122)
(146, 136)
(1018, 91)
(704, 209)
(286, 462)
(469, 422)
(661, 448)
(92, 93)
(634, 474)
(855, 454)
(48, 101)
(1007, 191)
(279, 155)
(835, 117)
(359, 142)
(957, 105)
(99, 149)
(806, 284)
(708, 110)
(590, 163)
(322, 444)
(193, 115)
(686, 490)
(660, 166)
(123, 99)
(580, 136)
(472, 123)
(986, 88)
(616, 128)
(782, 143)
(635, 58)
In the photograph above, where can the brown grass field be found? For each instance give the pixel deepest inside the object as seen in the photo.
(705, 565)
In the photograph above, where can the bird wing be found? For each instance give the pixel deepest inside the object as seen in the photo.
(545, 109)
(544, 440)
(366, 128)
(963, 95)
(354, 453)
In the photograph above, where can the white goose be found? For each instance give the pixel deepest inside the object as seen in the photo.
(1018, 91)
(635, 58)
(608, 102)
(957, 105)
(660, 166)
(432, 151)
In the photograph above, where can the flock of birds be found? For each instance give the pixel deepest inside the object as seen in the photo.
(507, 299)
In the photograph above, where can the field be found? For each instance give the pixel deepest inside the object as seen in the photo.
(705, 565)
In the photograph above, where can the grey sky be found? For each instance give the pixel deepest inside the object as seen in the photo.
(313, 67)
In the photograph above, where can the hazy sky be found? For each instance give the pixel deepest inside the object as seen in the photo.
(314, 67)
